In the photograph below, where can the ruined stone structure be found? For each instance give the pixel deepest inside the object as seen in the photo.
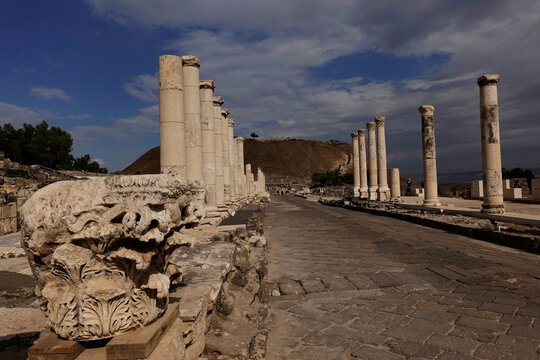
(241, 171)
(101, 261)
(171, 116)
(364, 190)
(383, 189)
(372, 167)
(429, 155)
(233, 161)
(491, 144)
(227, 181)
(356, 164)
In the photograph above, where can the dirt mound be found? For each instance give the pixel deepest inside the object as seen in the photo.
(283, 161)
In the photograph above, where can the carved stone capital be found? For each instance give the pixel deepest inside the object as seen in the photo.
(354, 135)
(207, 84)
(488, 79)
(370, 126)
(230, 122)
(426, 109)
(99, 249)
(190, 60)
(239, 139)
(225, 112)
(362, 132)
(379, 120)
(218, 100)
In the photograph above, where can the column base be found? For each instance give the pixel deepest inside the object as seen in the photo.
(383, 194)
(431, 202)
(492, 209)
(373, 194)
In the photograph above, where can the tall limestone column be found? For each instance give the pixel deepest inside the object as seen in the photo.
(192, 111)
(241, 177)
(260, 189)
(395, 187)
(373, 185)
(208, 140)
(356, 164)
(171, 116)
(233, 161)
(226, 156)
(220, 190)
(364, 193)
(429, 154)
(491, 144)
(384, 190)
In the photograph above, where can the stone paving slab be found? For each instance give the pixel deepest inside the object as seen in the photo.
(369, 287)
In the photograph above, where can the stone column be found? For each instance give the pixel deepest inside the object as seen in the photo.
(364, 190)
(373, 185)
(192, 113)
(233, 161)
(208, 140)
(384, 190)
(249, 180)
(356, 164)
(429, 155)
(171, 116)
(226, 155)
(491, 145)
(395, 187)
(220, 192)
(241, 177)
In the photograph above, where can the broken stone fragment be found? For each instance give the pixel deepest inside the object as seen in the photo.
(99, 249)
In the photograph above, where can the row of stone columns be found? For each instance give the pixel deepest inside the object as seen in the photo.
(376, 168)
(197, 136)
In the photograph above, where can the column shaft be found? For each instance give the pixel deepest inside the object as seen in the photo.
(208, 140)
(233, 161)
(241, 174)
(429, 155)
(192, 111)
(395, 187)
(372, 171)
(220, 192)
(364, 193)
(226, 155)
(491, 145)
(356, 164)
(171, 116)
(384, 190)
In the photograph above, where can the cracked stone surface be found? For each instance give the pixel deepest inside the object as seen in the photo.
(358, 286)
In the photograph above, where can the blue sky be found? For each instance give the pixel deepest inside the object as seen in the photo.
(313, 69)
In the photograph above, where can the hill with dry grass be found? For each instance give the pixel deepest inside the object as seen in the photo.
(283, 161)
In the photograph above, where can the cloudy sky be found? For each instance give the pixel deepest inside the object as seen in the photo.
(313, 69)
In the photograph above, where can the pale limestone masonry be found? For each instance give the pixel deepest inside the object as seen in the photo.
(241, 173)
(220, 190)
(208, 141)
(249, 181)
(192, 111)
(383, 190)
(356, 165)
(171, 116)
(477, 189)
(364, 190)
(429, 155)
(233, 161)
(373, 184)
(395, 187)
(510, 193)
(226, 154)
(491, 144)
(99, 249)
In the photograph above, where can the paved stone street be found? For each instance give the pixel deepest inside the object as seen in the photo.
(355, 285)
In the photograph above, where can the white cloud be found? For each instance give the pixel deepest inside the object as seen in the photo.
(49, 114)
(17, 115)
(49, 93)
(101, 162)
(143, 87)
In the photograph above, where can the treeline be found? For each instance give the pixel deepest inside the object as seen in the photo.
(44, 145)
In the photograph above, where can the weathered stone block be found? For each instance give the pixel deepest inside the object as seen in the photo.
(99, 249)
